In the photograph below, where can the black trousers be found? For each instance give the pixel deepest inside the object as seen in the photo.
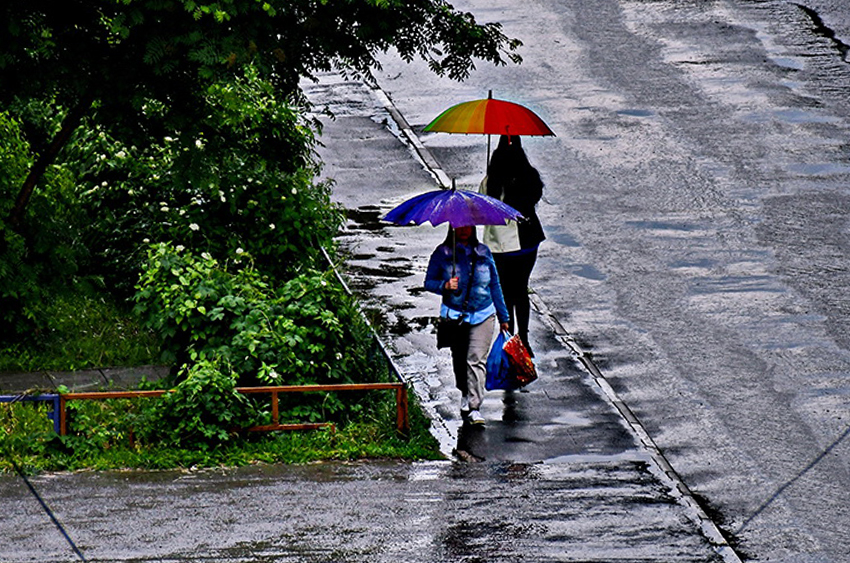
(514, 273)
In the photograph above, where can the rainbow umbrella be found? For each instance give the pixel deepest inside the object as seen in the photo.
(489, 117)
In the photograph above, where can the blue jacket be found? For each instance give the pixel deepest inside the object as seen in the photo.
(485, 292)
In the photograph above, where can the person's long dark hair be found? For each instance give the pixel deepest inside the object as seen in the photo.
(509, 167)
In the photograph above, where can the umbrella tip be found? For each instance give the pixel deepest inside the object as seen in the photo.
(490, 94)
(454, 186)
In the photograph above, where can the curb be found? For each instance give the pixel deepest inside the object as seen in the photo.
(431, 164)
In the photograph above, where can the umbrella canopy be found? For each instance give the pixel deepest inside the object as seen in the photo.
(458, 208)
(489, 117)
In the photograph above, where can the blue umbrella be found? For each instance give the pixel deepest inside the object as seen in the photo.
(458, 208)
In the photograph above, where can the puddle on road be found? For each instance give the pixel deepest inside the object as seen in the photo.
(737, 284)
(636, 112)
(383, 270)
(631, 456)
(664, 226)
(562, 237)
(586, 271)
(819, 169)
(367, 217)
(572, 419)
(792, 115)
(793, 63)
(700, 264)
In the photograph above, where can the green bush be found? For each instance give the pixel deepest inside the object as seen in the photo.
(203, 410)
(241, 179)
(306, 330)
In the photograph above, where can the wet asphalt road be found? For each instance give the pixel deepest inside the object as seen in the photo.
(696, 206)
(376, 512)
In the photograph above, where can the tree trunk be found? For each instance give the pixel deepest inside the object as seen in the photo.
(69, 124)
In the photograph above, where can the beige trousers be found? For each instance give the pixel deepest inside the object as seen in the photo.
(470, 362)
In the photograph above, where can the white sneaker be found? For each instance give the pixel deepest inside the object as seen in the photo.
(476, 418)
(464, 404)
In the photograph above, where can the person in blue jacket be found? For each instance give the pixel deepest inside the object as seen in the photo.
(466, 278)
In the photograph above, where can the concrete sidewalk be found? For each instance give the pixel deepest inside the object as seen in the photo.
(562, 472)
(119, 378)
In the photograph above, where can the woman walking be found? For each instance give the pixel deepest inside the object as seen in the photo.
(513, 180)
(463, 272)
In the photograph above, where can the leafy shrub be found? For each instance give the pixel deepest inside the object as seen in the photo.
(306, 330)
(203, 410)
(242, 178)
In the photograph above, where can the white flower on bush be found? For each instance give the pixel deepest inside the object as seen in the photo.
(121, 154)
(294, 191)
(271, 226)
(206, 256)
(164, 209)
(199, 143)
(180, 248)
(240, 251)
(324, 283)
(194, 226)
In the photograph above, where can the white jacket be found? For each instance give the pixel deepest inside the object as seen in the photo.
(500, 238)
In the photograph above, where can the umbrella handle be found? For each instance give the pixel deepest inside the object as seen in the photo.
(454, 258)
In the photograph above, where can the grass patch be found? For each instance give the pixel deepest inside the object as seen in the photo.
(85, 331)
(103, 439)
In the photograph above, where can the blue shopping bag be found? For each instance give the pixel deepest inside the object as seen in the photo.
(498, 368)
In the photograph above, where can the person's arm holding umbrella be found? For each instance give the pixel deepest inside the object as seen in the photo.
(437, 278)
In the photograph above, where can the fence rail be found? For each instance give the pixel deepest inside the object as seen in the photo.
(402, 414)
(52, 399)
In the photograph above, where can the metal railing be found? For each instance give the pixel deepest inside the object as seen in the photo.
(402, 414)
(52, 399)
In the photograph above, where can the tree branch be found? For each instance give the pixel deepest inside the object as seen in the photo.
(69, 125)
